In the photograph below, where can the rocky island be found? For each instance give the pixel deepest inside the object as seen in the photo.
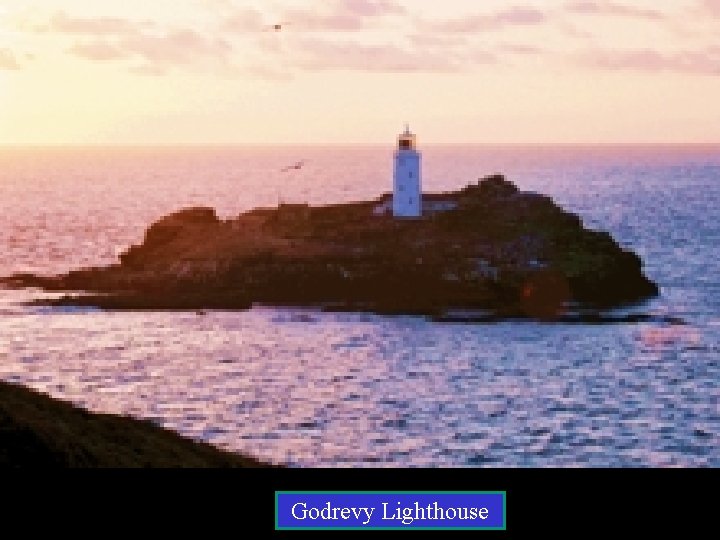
(489, 249)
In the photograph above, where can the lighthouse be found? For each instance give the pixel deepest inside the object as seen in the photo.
(407, 193)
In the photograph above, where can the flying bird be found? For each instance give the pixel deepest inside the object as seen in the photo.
(296, 167)
(277, 27)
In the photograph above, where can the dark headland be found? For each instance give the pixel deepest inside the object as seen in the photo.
(37, 431)
(488, 250)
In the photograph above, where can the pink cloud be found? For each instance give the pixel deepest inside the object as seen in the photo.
(176, 47)
(341, 15)
(8, 60)
(61, 22)
(513, 16)
(330, 15)
(712, 7)
(699, 62)
(157, 52)
(310, 20)
(520, 48)
(370, 8)
(437, 40)
(589, 7)
(245, 20)
(111, 39)
(317, 54)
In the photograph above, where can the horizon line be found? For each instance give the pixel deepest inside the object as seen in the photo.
(349, 143)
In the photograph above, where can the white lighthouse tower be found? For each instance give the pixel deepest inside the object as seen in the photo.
(407, 193)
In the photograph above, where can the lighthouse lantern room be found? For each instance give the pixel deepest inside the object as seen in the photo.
(407, 192)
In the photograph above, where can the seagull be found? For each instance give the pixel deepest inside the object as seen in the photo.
(277, 27)
(296, 167)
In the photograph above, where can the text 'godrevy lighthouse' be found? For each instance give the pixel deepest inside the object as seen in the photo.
(407, 191)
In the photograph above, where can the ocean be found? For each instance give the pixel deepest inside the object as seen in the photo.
(312, 389)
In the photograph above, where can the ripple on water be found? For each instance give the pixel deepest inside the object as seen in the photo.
(303, 387)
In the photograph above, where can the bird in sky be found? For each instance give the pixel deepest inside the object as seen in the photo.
(295, 167)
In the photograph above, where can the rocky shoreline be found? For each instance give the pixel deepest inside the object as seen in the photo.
(488, 247)
(40, 432)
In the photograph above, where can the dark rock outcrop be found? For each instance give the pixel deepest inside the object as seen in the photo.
(492, 248)
(37, 431)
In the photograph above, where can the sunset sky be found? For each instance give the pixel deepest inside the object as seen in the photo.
(491, 71)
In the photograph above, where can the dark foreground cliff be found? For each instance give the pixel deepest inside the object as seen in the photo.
(488, 247)
(37, 431)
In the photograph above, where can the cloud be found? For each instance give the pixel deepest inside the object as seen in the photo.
(8, 60)
(175, 47)
(371, 8)
(316, 54)
(180, 47)
(105, 39)
(419, 45)
(589, 7)
(513, 16)
(340, 15)
(520, 48)
(312, 54)
(63, 23)
(299, 19)
(437, 40)
(698, 62)
(711, 6)
(244, 20)
(158, 53)
(310, 42)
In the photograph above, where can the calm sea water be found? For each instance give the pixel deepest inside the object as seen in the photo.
(316, 389)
